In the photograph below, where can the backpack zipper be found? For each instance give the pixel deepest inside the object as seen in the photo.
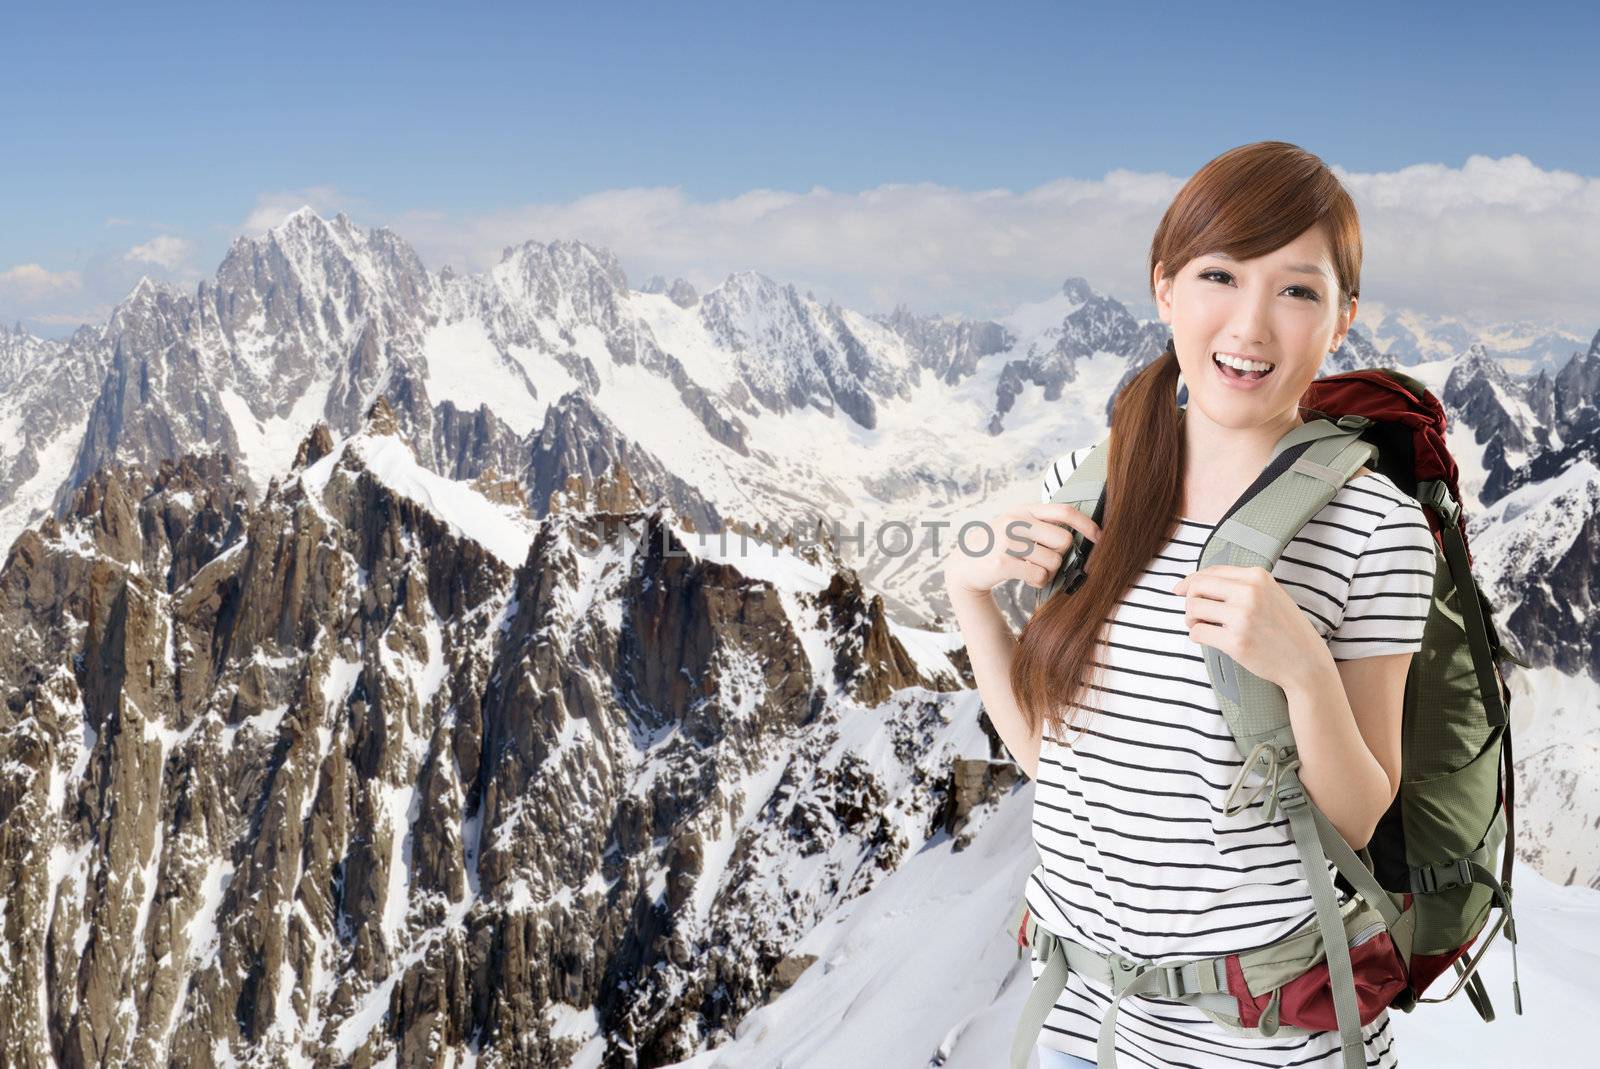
(1369, 932)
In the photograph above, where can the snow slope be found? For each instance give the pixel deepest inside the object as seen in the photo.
(920, 971)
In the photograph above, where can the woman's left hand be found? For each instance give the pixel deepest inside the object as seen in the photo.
(1245, 613)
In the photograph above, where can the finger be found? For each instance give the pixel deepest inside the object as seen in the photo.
(1044, 557)
(1205, 634)
(1040, 532)
(1206, 583)
(1205, 611)
(1060, 512)
(1229, 571)
(1031, 572)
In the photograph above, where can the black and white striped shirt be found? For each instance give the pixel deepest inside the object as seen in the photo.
(1136, 856)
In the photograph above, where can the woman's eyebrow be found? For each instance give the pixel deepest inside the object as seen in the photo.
(1299, 269)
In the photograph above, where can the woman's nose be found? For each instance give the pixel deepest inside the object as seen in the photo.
(1248, 326)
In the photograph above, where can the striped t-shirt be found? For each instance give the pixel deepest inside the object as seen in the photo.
(1136, 856)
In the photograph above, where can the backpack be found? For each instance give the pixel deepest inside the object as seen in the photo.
(1422, 890)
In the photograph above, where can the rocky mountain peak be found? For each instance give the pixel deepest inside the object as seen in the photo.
(544, 272)
(380, 419)
(748, 288)
(303, 216)
(680, 292)
(318, 444)
(321, 262)
(1077, 290)
(949, 346)
(20, 354)
(152, 315)
(1477, 362)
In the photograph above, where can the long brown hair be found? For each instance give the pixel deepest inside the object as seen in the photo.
(1247, 202)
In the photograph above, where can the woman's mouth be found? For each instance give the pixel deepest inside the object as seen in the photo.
(1237, 377)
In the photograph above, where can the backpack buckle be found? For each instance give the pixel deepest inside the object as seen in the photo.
(1434, 492)
(1124, 972)
(1350, 421)
(1290, 796)
(1458, 874)
(1452, 874)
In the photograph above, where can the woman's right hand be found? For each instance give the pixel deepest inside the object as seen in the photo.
(1049, 525)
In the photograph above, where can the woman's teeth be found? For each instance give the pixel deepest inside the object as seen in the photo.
(1244, 369)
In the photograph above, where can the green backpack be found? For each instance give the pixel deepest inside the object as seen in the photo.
(1421, 891)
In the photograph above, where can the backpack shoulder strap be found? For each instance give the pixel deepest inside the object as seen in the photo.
(1084, 490)
(1309, 466)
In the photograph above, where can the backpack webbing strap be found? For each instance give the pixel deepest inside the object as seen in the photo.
(1507, 858)
(1477, 994)
(1436, 493)
(1294, 800)
(1042, 999)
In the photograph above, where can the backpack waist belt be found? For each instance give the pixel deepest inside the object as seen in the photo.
(1203, 980)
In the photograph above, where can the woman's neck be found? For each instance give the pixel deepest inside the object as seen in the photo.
(1221, 462)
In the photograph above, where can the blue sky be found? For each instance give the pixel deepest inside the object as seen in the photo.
(125, 124)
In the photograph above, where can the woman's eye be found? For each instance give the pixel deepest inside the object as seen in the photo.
(1224, 277)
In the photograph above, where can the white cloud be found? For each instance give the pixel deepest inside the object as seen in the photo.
(168, 251)
(32, 282)
(1495, 239)
(97, 314)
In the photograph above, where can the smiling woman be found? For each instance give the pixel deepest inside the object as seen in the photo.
(1256, 268)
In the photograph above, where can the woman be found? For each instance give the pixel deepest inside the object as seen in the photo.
(1256, 265)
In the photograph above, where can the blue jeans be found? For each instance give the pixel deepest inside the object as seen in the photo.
(1050, 1058)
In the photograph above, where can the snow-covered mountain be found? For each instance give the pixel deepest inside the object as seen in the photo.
(751, 404)
(383, 765)
(46, 392)
(1404, 336)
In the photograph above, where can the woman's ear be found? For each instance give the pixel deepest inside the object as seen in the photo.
(1163, 290)
(1343, 327)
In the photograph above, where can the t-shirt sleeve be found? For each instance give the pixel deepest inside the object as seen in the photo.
(1057, 471)
(1391, 588)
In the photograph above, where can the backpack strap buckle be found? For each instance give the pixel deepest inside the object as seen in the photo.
(1436, 493)
(1291, 796)
(1452, 874)
(1170, 984)
(1124, 972)
(1350, 421)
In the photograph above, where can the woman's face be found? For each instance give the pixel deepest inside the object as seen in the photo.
(1281, 309)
